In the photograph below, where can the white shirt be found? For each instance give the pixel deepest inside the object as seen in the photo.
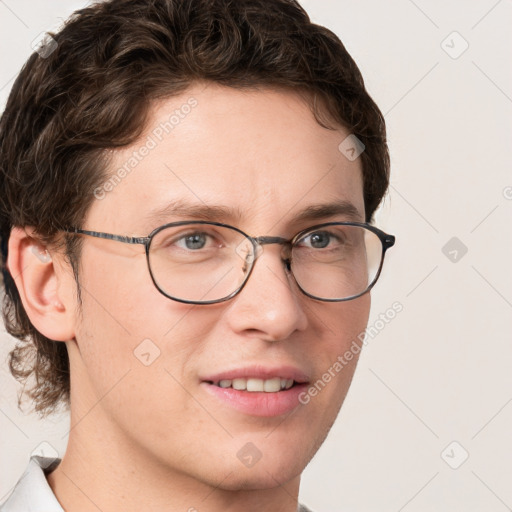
(33, 493)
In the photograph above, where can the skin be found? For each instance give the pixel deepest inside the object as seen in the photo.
(150, 437)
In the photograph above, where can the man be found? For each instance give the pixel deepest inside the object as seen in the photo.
(185, 231)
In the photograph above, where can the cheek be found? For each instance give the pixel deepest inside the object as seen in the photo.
(336, 357)
(127, 325)
(343, 323)
(137, 374)
(119, 298)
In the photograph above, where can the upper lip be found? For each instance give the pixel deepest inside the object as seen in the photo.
(259, 372)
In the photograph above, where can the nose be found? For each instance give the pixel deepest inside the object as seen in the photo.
(269, 305)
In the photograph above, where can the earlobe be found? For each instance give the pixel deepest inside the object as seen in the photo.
(41, 282)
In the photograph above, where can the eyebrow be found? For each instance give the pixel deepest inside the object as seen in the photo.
(225, 214)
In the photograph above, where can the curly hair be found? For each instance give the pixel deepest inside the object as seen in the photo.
(92, 92)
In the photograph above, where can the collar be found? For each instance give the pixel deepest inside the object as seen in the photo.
(32, 492)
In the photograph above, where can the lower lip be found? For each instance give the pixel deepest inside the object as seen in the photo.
(258, 403)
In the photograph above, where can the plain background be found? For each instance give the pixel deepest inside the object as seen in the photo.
(434, 385)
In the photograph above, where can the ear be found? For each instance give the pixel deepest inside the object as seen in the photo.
(45, 284)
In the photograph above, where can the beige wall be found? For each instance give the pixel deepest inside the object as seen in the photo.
(439, 372)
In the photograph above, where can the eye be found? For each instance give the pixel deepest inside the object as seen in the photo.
(318, 239)
(194, 241)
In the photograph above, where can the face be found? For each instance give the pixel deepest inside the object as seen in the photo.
(155, 362)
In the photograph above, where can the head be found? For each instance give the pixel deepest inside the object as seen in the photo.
(239, 104)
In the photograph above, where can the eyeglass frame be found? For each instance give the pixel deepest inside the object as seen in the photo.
(386, 240)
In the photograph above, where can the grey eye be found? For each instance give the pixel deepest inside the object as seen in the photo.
(195, 241)
(317, 240)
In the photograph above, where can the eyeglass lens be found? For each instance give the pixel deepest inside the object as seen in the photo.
(203, 262)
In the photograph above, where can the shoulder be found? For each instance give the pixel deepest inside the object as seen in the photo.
(32, 493)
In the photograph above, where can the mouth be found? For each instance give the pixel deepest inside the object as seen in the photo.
(258, 391)
(255, 385)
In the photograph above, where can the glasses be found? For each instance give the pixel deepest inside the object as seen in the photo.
(198, 262)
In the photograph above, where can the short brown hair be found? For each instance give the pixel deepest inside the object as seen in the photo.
(94, 90)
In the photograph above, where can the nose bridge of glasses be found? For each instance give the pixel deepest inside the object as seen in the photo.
(268, 240)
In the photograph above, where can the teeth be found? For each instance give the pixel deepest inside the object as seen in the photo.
(270, 385)
(257, 385)
(240, 384)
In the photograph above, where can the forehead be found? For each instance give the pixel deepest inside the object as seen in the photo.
(254, 157)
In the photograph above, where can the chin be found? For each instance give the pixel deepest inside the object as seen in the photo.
(265, 476)
(279, 463)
